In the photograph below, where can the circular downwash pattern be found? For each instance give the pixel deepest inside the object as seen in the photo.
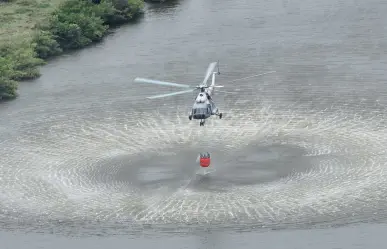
(255, 164)
(271, 169)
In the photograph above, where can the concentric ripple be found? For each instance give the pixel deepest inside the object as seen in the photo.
(85, 168)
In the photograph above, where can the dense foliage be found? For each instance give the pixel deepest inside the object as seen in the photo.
(17, 63)
(75, 24)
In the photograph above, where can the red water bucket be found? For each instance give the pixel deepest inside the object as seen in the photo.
(205, 159)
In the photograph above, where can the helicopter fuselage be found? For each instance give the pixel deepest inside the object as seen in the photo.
(204, 107)
(202, 110)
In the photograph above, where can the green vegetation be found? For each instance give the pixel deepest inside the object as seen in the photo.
(32, 31)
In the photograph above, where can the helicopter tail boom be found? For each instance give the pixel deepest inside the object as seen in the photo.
(210, 70)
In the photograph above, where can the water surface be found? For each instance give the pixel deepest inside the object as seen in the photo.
(298, 152)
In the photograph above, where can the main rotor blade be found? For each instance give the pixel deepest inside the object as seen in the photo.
(252, 76)
(158, 82)
(170, 94)
(220, 91)
(210, 69)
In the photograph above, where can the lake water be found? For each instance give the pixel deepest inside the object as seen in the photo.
(298, 159)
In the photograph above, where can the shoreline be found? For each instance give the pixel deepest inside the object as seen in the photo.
(69, 25)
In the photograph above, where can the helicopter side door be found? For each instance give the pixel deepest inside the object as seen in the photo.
(212, 107)
(209, 109)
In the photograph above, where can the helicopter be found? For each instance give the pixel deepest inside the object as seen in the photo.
(204, 106)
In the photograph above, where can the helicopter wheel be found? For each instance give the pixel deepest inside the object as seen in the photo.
(220, 115)
(190, 117)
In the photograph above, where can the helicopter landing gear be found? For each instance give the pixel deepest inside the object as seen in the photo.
(220, 115)
(201, 123)
(190, 117)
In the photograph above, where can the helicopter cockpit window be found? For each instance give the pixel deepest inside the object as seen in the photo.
(201, 111)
